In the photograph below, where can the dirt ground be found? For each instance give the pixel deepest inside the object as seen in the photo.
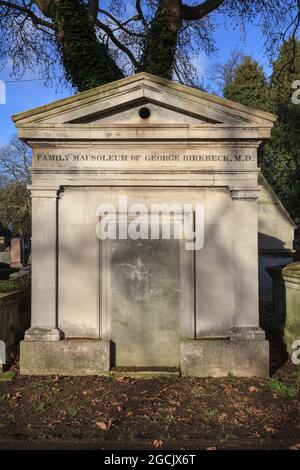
(159, 413)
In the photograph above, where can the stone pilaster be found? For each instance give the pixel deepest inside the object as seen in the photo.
(246, 266)
(44, 266)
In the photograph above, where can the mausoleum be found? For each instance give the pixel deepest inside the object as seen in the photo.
(276, 232)
(110, 159)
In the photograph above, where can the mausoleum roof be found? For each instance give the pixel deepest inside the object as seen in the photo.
(194, 113)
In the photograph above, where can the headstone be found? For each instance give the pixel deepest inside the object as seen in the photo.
(108, 166)
(16, 252)
(2, 244)
(2, 356)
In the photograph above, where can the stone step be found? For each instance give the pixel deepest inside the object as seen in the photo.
(145, 372)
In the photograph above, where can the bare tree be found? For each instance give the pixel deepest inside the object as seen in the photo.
(15, 203)
(222, 74)
(15, 161)
(99, 41)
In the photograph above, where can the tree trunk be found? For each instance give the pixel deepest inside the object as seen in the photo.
(86, 60)
(159, 52)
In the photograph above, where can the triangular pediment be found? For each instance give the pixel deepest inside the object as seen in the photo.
(130, 114)
(119, 103)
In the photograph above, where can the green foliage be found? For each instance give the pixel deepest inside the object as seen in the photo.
(39, 407)
(4, 232)
(279, 157)
(211, 412)
(196, 392)
(249, 85)
(15, 208)
(86, 60)
(159, 52)
(229, 378)
(282, 389)
(72, 411)
(12, 286)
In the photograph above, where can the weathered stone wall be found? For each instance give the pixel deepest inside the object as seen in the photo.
(275, 236)
(5, 257)
(286, 299)
(14, 319)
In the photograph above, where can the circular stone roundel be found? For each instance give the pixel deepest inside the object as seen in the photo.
(144, 112)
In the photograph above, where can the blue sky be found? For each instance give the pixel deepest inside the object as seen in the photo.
(23, 95)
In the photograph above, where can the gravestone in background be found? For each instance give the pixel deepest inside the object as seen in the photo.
(16, 252)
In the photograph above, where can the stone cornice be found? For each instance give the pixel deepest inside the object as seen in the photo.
(172, 133)
(245, 194)
(49, 192)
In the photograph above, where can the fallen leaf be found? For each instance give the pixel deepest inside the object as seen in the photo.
(103, 425)
(17, 395)
(270, 429)
(255, 411)
(211, 448)
(173, 402)
(222, 417)
(158, 443)
(253, 389)
(120, 379)
(295, 447)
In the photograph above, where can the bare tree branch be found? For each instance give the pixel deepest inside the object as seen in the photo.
(45, 6)
(117, 43)
(197, 12)
(122, 25)
(140, 12)
(36, 20)
(93, 9)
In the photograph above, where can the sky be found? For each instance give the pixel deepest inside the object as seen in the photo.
(23, 95)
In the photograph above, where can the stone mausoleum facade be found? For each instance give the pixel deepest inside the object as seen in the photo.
(145, 303)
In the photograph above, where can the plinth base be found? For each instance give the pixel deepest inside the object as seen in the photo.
(217, 357)
(66, 357)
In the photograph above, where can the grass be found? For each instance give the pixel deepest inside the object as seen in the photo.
(40, 407)
(72, 411)
(229, 378)
(11, 286)
(37, 385)
(211, 412)
(60, 409)
(196, 392)
(169, 419)
(4, 397)
(281, 388)
(226, 436)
